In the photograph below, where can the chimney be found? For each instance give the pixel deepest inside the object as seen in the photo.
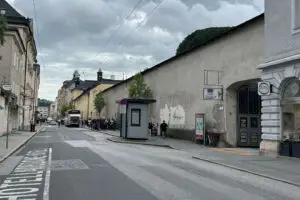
(99, 75)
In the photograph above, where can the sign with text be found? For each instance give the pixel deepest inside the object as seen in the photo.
(199, 126)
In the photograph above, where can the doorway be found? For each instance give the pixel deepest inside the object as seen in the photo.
(248, 116)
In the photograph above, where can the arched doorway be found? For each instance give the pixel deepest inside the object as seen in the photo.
(290, 101)
(248, 116)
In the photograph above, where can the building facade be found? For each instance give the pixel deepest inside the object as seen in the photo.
(83, 99)
(218, 78)
(43, 112)
(19, 69)
(53, 110)
(281, 69)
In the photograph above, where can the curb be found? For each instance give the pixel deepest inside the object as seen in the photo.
(101, 132)
(247, 171)
(146, 144)
(20, 146)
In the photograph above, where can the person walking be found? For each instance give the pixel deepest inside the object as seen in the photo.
(163, 129)
(58, 123)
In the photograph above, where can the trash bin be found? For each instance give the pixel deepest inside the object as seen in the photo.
(32, 127)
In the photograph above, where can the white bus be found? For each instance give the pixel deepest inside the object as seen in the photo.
(72, 118)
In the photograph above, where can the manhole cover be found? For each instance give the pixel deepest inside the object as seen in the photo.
(74, 164)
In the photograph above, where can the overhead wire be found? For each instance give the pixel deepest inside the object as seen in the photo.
(139, 24)
(120, 25)
(37, 28)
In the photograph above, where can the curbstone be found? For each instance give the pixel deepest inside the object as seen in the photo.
(20, 146)
(147, 144)
(247, 171)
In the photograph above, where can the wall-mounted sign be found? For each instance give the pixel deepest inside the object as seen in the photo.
(264, 88)
(199, 126)
(1, 107)
(7, 87)
(122, 108)
(213, 94)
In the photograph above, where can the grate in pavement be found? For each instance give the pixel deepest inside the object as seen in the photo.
(73, 164)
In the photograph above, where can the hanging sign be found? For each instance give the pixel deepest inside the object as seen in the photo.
(199, 126)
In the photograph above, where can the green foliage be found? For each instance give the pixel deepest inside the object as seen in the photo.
(99, 103)
(199, 37)
(65, 108)
(3, 29)
(44, 102)
(138, 89)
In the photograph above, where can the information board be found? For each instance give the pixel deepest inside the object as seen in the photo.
(199, 126)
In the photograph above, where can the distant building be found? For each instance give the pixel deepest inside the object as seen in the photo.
(83, 94)
(43, 112)
(53, 110)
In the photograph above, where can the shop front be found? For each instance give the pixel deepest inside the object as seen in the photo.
(290, 103)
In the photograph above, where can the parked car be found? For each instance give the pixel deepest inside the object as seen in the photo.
(52, 122)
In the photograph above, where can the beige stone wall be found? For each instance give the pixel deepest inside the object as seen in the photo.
(178, 85)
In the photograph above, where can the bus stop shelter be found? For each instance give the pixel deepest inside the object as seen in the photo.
(134, 118)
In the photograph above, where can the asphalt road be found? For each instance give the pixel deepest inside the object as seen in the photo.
(78, 164)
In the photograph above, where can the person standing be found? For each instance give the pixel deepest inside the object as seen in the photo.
(163, 129)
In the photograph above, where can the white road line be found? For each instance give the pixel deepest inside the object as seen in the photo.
(47, 177)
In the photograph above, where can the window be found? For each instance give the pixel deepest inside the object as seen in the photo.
(135, 117)
(295, 16)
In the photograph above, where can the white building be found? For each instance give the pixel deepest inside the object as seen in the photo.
(53, 110)
(43, 112)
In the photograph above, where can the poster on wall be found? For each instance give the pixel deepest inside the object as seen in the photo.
(213, 94)
(199, 126)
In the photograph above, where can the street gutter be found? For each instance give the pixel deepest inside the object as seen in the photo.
(247, 171)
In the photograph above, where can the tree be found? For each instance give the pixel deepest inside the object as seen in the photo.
(65, 108)
(99, 103)
(199, 37)
(138, 89)
(3, 29)
(44, 102)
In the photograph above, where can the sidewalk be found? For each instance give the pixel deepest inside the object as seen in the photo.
(243, 159)
(15, 141)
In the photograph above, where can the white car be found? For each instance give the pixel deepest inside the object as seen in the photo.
(52, 122)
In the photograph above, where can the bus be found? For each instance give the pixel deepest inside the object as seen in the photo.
(72, 118)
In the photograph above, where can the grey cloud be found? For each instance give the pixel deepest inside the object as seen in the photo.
(73, 30)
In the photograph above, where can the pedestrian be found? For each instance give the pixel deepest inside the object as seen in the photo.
(163, 129)
(58, 123)
(89, 123)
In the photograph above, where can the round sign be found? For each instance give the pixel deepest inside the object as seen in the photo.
(264, 88)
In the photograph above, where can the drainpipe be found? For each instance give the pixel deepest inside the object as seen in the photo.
(24, 89)
(34, 88)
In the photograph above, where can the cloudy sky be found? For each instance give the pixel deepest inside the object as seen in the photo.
(90, 34)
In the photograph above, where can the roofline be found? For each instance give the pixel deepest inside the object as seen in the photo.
(86, 91)
(207, 42)
(18, 33)
(23, 21)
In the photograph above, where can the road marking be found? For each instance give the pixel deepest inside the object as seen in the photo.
(232, 152)
(26, 179)
(47, 178)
